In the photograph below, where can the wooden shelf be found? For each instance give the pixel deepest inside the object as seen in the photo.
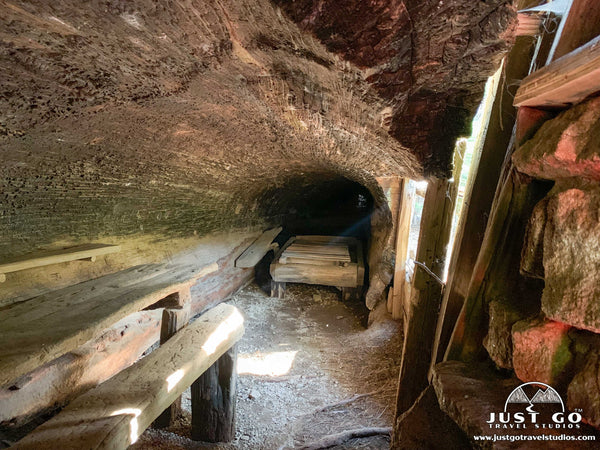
(88, 251)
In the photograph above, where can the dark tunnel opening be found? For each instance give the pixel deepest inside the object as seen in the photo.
(317, 204)
(320, 205)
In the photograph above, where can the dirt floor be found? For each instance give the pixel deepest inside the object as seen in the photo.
(308, 367)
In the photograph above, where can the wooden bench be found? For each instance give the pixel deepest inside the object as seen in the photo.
(36, 331)
(115, 413)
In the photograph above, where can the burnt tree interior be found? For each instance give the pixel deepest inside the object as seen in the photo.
(208, 219)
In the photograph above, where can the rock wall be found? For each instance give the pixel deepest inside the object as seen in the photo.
(559, 344)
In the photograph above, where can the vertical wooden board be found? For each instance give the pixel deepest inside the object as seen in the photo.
(422, 310)
(213, 401)
(581, 25)
(402, 239)
(486, 168)
(496, 273)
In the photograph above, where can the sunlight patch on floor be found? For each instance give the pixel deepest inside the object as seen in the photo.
(271, 364)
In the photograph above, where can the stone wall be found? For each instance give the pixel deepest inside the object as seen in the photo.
(559, 343)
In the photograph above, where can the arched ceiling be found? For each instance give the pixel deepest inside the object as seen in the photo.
(172, 117)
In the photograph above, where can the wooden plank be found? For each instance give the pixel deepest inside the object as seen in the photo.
(423, 309)
(60, 381)
(114, 414)
(259, 248)
(323, 253)
(317, 239)
(496, 273)
(401, 288)
(581, 24)
(566, 81)
(213, 401)
(326, 275)
(486, 167)
(39, 330)
(325, 248)
(310, 259)
(89, 251)
(313, 256)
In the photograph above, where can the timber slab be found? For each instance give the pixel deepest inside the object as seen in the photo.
(325, 260)
(36, 331)
(114, 414)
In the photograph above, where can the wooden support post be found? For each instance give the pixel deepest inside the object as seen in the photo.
(402, 288)
(174, 318)
(486, 167)
(422, 312)
(213, 401)
(277, 289)
(581, 24)
(496, 272)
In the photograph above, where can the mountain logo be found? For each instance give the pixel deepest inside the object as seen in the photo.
(542, 408)
(544, 394)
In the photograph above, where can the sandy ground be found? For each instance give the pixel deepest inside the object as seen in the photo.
(302, 358)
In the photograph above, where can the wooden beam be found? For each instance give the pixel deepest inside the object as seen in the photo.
(259, 248)
(581, 25)
(566, 81)
(496, 273)
(40, 259)
(114, 414)
(401, 288)
(485, 173)
(422, 312)
(213, 401)
(305, 273)
(60, 381)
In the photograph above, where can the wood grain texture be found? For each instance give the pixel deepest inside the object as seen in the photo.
(173, 320)
(422, 310)
(113, 415)
(328, 260)
(581, 25)
(566, 81)
(496, 275)
(486, 168)
(326, 275)
(401, 288)
(213, 400)
(259, 248)
(39, 330)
